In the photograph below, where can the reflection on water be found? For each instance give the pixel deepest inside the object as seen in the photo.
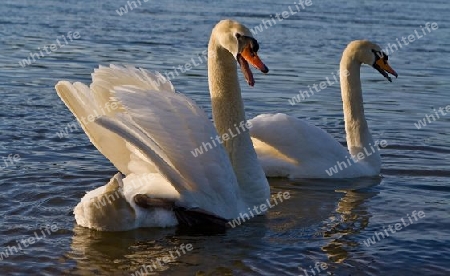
(93, 251)
(352, 217)
(327, 217)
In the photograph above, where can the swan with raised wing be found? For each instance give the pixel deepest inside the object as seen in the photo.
(289, 147)
(148, 131)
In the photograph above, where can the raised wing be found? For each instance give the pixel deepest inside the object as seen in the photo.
(167, 128)
(87, 104)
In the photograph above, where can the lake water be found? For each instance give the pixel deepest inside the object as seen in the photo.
(324, 223)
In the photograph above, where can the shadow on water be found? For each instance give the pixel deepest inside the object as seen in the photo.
(318, 222)
(127, 252)
(330, 215)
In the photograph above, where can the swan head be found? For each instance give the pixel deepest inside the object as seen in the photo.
(370, 53)
(238, 40)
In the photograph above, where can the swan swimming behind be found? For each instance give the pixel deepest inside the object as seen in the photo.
(150, 134)
(289, 147)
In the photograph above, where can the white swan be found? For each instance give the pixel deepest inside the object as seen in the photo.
(148, 131)
(289, 147)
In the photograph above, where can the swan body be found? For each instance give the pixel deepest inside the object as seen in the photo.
(148, 131)
(289, 147)
(112, 207)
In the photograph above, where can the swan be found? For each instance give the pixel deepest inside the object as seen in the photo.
(289, 147)
(140, 123)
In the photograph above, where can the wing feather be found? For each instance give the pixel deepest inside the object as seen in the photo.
(154, 129)
(88, 103)
(176, 126)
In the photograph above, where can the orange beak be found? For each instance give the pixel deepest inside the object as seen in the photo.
(384, 68)
(246, 57)
(254, 60)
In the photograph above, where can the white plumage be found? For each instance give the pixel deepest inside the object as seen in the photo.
(148, 131)
(289, 147)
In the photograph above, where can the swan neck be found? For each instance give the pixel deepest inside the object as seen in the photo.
(357, 131)
(229, 119)
(227, 105)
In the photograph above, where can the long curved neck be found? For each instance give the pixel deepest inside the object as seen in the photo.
(359, 139)
(229, 118)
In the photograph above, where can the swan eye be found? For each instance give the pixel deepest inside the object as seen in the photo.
(247, 42)
(254, 46)
(382, 66)
(380, 55)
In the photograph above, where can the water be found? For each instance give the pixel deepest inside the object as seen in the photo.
(322, 221)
